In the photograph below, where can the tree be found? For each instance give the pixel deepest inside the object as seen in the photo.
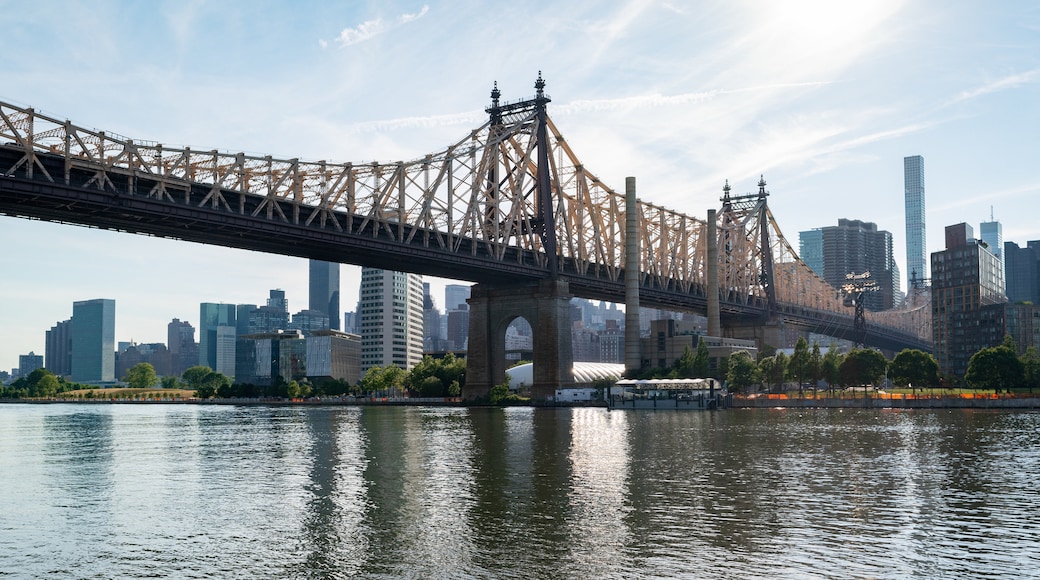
(141, 376)
(831, 367)
(914, 367)
(863, 366)
(996, 367)
(772, 369)
(170, 382)
(742, 371)
(382, 379)
(196, 375)
(702, 362)
(798, 367)
(815, 364)
(47, 386)
(1031, 367)
(683, 367)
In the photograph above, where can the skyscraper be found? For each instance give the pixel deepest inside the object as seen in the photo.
(857, 247)
(217, 334)
(991, 233)
(455, 295)
(391, 319)
(184, 351)
(27, 363)
(324, 290)
(93, 341)
(913, 184)
(58, 350)
(967, 294)
(810, 249)
(1022, 271)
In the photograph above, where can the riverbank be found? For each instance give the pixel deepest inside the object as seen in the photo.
(888, 401)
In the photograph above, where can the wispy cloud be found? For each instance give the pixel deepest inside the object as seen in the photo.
(369, 29)
(1008, 82)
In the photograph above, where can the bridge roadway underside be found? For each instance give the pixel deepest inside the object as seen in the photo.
(185, 218)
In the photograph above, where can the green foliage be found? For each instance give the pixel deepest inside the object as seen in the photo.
(382, 380)
(863, 366)
(434, 377)
(772, 369)
(830, 367)
(195, 376)
(914, 367)
(1031, 368)
(799, 365)
(141, 376)
(742, 371)
(683, 366)
(815, 364)
(205, 382)
(41, 383)
(702, 362)
(170, 382)
(500, 395)
(995, 367)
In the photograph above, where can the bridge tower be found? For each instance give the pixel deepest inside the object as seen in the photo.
(748, 252)
(545, 304)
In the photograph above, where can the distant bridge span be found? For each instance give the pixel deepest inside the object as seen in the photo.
(510, 202)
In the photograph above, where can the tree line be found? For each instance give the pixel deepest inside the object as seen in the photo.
(999, 368)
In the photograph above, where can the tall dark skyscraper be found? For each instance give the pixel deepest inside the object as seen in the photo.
(324, 290)
(913, 183)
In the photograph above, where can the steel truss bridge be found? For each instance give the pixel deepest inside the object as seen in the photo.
(509, 202)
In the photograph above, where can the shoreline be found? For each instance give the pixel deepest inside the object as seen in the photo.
(761, 402)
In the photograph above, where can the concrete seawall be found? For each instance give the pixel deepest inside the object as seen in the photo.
(889, 403)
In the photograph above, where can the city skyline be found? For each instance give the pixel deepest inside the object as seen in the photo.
(824, 100)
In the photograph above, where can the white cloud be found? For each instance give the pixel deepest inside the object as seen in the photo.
(364, 31)
(1008, 82)
(369, 29)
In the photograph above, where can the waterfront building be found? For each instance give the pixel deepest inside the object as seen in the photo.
(967, 294)
(27, 363)
(324, 291)
(58, 349)
(1022, 323)
(331, 354)
(1022, 272)
(391, 318)
(262, 359)
(913, 185)
(93, 341)
(217, 333)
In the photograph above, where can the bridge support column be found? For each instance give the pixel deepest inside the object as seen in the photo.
(546, 306)
(770, 333)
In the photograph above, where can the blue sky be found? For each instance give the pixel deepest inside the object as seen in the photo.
(823, 98)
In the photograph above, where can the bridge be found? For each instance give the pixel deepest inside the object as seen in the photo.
(509, 207)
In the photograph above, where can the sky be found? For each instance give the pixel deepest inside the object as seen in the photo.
(822, 98)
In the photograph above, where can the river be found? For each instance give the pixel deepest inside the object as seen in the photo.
(208, 491)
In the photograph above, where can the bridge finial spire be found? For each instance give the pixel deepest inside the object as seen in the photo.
(495, 94)
(762, 187)
(539, 86)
